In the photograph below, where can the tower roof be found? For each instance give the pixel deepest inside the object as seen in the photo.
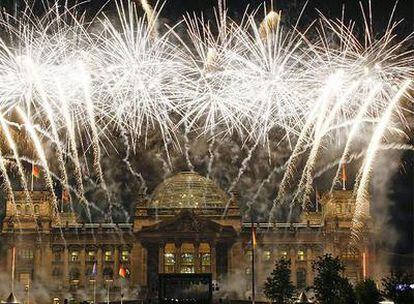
(188, 190)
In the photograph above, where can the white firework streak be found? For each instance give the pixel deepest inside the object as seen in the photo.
(362, 196)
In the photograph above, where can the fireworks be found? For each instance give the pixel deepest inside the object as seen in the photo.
(72, 85)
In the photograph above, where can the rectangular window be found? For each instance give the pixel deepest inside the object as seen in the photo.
(284, 255)
(301, 255)
(91, 256)
(125, 256)
(267, 254)
(26, 254)
(74, 256)
(108, 256)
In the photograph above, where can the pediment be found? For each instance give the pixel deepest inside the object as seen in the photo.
(188, 222)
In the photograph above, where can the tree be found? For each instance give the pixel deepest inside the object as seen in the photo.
(367, 292)
(330, 286)
(396, 287)
(278, 286)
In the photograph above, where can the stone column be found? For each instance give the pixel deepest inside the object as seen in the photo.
(177, 267)
(197, 260)
(83, 278)
(213, 260)
(309, 271)
(161, 249)
(66, 267)
(293, 265)
(99, 265)
(116, 261)
(136, 264)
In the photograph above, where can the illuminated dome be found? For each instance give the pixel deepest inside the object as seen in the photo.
(188, 190)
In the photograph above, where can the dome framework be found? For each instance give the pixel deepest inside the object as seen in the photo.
(188, 190)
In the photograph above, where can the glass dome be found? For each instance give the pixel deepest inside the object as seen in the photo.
(188, 190)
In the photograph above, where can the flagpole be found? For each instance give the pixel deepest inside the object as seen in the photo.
(121, 292)
(13, 267)
(107, 295)
(31, 187)
(253, 262)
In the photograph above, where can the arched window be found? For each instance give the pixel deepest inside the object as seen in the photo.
(19, 209)
(187, 258)
(36, 209)
(205, 255)
(27, 209)
(301, 278)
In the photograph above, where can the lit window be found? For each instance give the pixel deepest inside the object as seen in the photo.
(108, 256)
(169, 258)
(91, 256)
(247, 270)
(187, 258)
(74, 256)
(205, 256)
(205, 262)
(301, 255)
(26, 254)
(125, 255)
(284, 254)
(169, 262)
(267, 254)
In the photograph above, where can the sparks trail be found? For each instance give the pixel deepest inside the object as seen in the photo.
(143, 186)
(265, 81)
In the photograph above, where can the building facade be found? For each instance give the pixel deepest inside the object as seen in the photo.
(189, 225)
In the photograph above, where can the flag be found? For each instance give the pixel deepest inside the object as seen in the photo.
(65, 196)
(94, 270)
(254, 243)
(122, 272)
(35, 171)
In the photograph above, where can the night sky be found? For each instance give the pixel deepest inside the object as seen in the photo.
(402, 184)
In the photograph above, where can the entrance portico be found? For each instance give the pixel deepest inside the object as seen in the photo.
(187, 243)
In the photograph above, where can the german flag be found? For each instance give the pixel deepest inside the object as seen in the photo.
(65, 196)
(254, 242)
(122, 271)
(35, 171)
